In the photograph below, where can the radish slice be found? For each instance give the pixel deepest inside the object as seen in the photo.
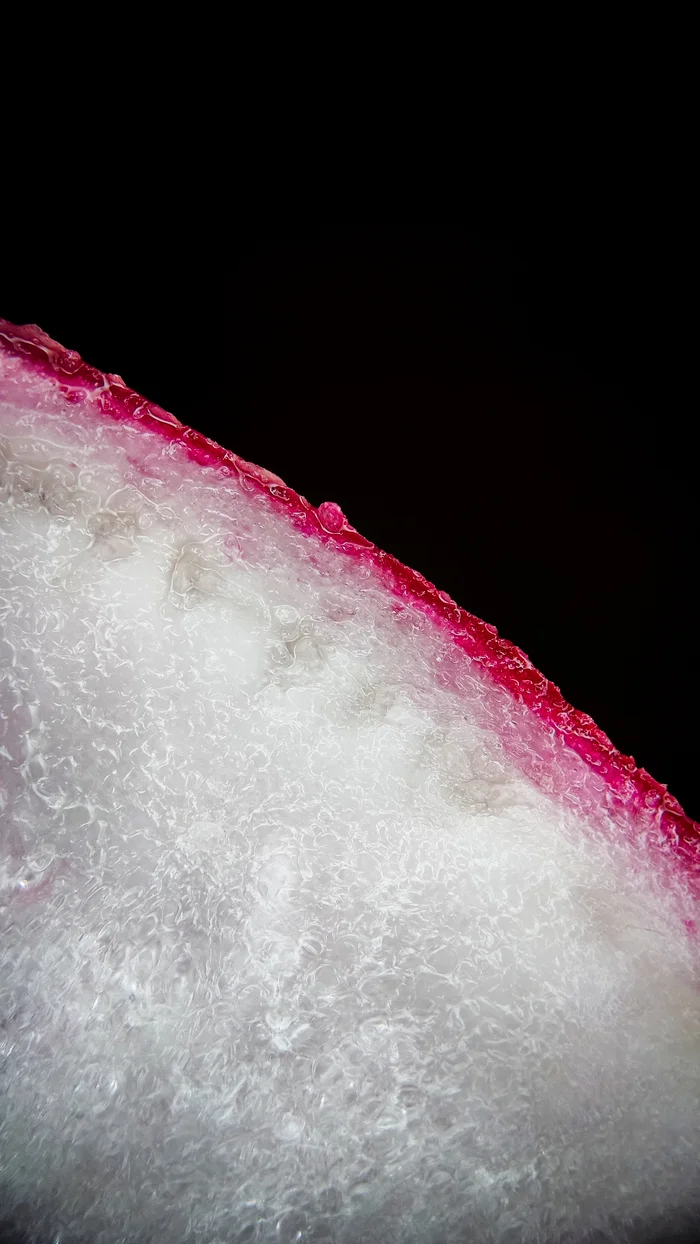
(323, 916)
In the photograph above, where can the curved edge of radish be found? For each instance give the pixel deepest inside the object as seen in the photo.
(630, 787)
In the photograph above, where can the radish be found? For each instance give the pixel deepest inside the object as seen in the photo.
(323, 916)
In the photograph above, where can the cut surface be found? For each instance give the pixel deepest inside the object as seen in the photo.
(322, 916)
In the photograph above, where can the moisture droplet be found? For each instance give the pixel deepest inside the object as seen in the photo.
(331, 516)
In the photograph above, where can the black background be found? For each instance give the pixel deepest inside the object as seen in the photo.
(503, 413)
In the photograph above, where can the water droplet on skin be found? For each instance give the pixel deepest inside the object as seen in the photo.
(331, 516)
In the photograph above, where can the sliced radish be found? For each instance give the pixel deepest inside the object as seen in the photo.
(323, 916)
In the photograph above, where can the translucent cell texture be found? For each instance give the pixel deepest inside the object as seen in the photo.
(313, 926)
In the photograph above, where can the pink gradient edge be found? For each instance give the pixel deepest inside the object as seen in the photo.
(507, 665)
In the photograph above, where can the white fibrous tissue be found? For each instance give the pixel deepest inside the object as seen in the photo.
(312, 928)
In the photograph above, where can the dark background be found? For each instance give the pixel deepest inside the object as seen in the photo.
(503, 413)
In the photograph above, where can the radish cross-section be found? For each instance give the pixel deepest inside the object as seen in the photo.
(323, 917)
